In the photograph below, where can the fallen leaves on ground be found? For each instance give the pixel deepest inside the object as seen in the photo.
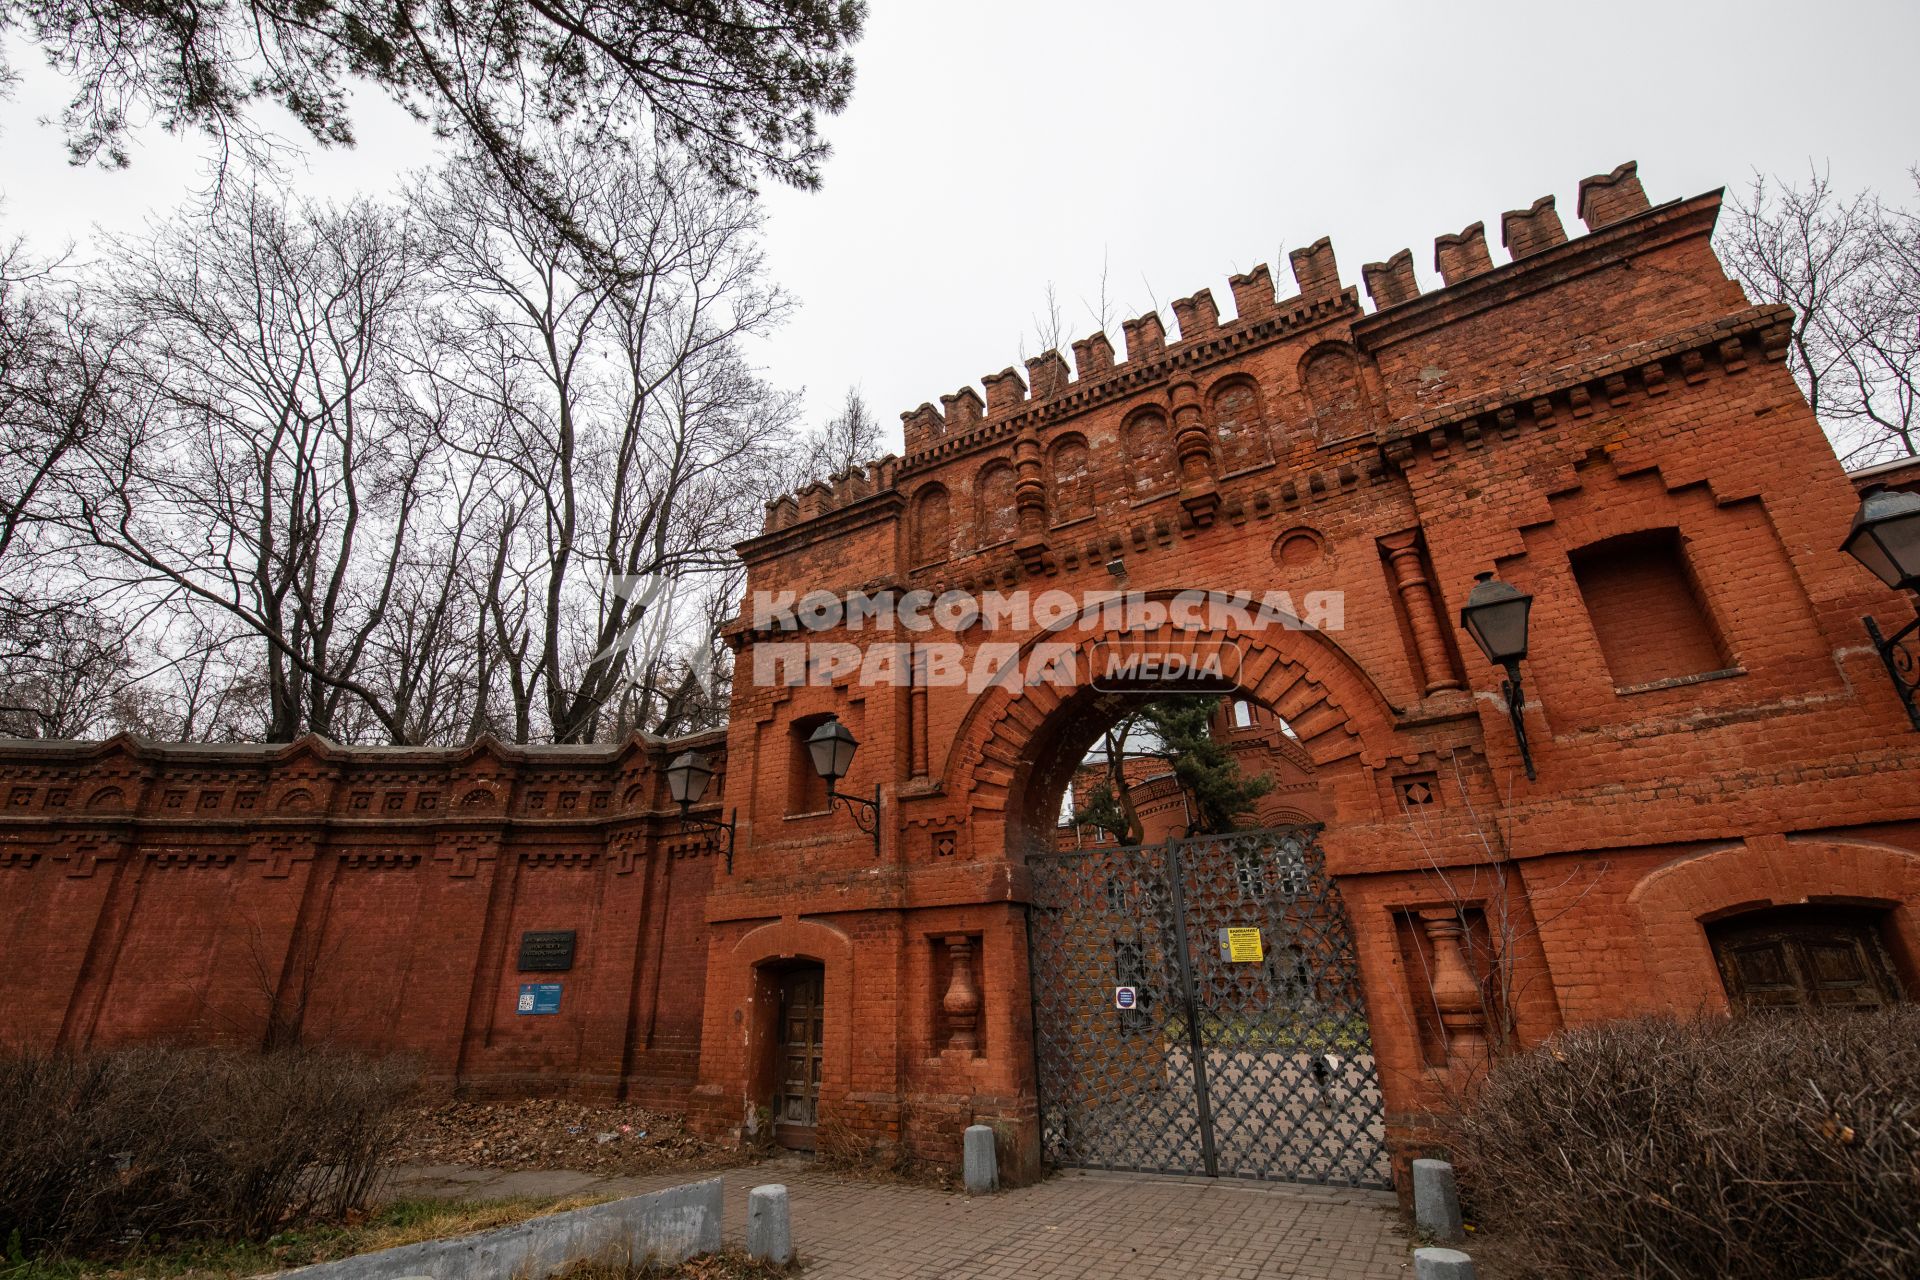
(556, 1133)
(730, 1265)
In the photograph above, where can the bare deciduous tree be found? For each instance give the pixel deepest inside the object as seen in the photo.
(278, 465)
(1849, 266)
(398, 475)
(628, 439)
(62, 660)
(849, 439)
(61, 672)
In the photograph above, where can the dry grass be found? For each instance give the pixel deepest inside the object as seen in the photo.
(556, 1133)
(400, 1223)
(418, 1221)
(844, 1151)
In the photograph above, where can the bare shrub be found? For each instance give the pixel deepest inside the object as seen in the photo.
(1779, 1146)
(119, 1148)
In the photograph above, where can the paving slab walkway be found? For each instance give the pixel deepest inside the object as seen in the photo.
(1073, 1225)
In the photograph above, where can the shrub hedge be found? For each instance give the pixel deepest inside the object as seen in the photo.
(1761, 1146)
(110, 1150)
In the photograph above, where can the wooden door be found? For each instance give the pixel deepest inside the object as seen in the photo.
(796, 1099)
(1804, 958)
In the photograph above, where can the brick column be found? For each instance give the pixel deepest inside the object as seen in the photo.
(1193, 447)
(1416, 594)
(1029, 501)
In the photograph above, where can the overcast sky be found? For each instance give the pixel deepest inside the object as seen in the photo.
(992, 149)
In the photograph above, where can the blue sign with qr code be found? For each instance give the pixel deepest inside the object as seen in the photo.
(539, 997)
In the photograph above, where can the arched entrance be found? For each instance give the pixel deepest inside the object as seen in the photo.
(1804, 957)
(1197, 1001)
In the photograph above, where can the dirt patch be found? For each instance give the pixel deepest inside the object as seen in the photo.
(555, 1133)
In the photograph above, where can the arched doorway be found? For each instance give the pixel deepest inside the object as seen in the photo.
(789, 1049)
(1804, 957)
(1197, 1000)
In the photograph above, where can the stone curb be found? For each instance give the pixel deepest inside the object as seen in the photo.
(664, 1226)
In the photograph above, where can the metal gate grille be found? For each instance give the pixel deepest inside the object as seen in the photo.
(1228, 1067)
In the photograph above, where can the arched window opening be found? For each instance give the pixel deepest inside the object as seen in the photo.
(1239, 426)
(995, 518)
(1804, 957)
(932, 527)
(1069, 467)
(806, 789)
(1340, 407)
(1149, 445)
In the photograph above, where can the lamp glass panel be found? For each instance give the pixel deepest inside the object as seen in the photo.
(1866, 548)
(1899, 540)
(1501, 628)
(687, 777)
(832, 747)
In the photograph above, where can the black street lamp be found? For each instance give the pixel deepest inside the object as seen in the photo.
(1495, 615)
(687, 779)
(832, 746)
(1886, 538)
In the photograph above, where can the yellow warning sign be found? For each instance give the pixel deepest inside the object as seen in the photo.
(1243, 946)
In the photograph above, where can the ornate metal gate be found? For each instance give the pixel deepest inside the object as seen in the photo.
(1163, 1044)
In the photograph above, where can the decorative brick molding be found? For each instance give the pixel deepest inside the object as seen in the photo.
(1671, 905)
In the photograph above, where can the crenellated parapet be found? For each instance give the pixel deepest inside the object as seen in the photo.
(1147, 342)
(1524, 232)
(1460, 256)
(1607, 198)
(1052, 386)
(822, 496)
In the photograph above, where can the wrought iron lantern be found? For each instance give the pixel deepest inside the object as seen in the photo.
(1495, 615)
(1886, 538)
(832, 746)
(687, 779)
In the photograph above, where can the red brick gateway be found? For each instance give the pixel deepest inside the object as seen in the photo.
(1726, 809)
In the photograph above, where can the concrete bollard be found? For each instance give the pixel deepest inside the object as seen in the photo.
(980, 1165)
(1442, 1264)
(1436, 1201)
(769, 1226)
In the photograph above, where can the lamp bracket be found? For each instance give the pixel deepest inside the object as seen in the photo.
(866, 813)
(1511, 690)
(1901, 652)
(708, 824)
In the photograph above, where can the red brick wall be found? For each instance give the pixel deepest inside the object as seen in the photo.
(373, 900)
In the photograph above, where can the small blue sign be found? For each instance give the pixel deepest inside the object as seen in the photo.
(539, 997)
(1124, 998)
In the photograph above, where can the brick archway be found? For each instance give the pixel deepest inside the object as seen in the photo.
(1018, 742)
(1672, 905)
